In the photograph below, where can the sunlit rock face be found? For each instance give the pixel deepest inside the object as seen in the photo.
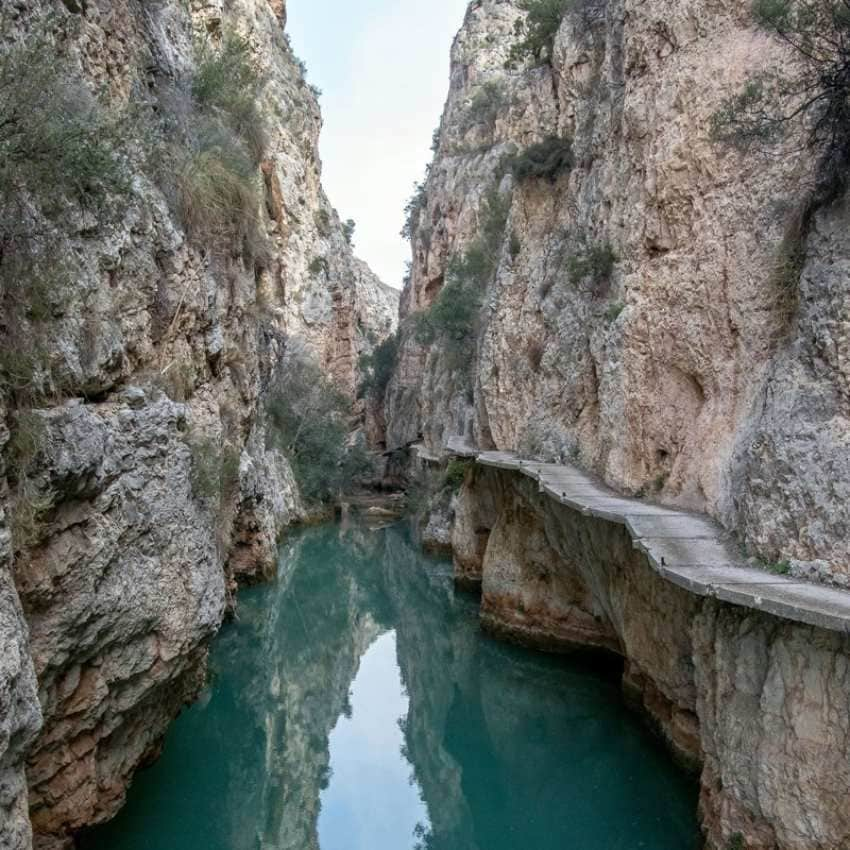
(757, 703)
(165, 346)
(682, 373)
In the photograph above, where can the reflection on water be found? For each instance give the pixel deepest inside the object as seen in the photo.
(356, 706)
(372, 799)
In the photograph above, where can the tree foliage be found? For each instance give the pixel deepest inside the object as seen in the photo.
(594, 263)
(378, 367)
(309, 422)
(804, 103)
(545, 160)
(536, 32)
(453, 317)
(416, 204)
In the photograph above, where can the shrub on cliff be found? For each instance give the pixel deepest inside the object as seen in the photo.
(547, 160)
(219, 193)
(417, 203)
(227, 84)
(308, 421)
(63, 165)
(377, 368)
(808, 98)
(594, 263)
(453, 318)
(456, 473)
(536, 32)
(58, 144)
(222, 144)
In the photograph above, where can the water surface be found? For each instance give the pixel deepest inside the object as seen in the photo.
(356, 706)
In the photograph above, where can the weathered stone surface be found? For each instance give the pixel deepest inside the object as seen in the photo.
(154, 487)
(682, 376)
(20, 713)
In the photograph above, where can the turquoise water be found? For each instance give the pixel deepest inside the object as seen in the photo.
(356, 706)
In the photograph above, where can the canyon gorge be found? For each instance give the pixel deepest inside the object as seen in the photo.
(603, 289)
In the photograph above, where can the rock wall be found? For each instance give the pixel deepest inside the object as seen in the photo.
(759, 703)
(150, 485)
(683, 373)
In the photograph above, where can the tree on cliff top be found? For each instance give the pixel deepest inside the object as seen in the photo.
(537, 31)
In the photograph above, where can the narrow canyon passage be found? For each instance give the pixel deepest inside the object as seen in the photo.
(355, 705)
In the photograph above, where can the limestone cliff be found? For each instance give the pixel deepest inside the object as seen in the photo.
(596, 280)
(141, 482)
(634, 321)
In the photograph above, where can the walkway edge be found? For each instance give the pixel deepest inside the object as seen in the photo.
(688, 550)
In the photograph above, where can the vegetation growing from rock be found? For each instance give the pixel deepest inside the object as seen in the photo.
(378, 367)
(809, 98)
(62, 162)
(456, 473)
(309, 422)
(224, 141)
(453, 317)
(318, 266)
(594, 264)
(546, 160)
(413, 209)
(226, 84)
(536, 32)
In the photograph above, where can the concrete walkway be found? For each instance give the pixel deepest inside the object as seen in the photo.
(689, 550)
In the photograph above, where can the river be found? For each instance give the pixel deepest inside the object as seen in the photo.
(355, 705)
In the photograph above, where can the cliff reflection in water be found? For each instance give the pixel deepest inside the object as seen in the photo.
(355, 706)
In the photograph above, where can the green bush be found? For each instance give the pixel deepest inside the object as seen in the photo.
(536, 33)
(58, 144)
(595, 263)
(548, 160)
(417, 203)
(222, 144)
(348, 228)
(456, 473)
(378, 367)
(323, 222)
(308, 421)
(226, 84)
(614, 310)
(736, 842)
(453, 317)
(318, 266)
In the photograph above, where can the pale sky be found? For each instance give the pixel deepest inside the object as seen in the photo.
(383, 67)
